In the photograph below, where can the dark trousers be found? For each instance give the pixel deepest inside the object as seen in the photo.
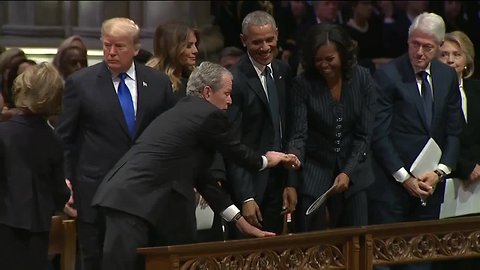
(384, 212)
(23, 249)
(90, 238)
(270, 208)
(342, 212)
(124, 234)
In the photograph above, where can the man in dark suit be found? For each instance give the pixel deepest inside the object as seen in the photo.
(151, 189)
(259, 111)
(419, 99)
(102, 116)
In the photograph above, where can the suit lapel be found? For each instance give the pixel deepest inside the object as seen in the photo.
(280, 84)
(253, 80)
(410, 83)
(440, 86)
(107, 92)
(142, 96)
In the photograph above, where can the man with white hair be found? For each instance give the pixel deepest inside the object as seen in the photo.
(418, 100)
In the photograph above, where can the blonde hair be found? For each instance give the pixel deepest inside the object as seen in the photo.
(39, 89)
(468, 49)
(169, 42)
(121, 26)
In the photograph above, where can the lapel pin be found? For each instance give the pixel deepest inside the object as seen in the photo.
(145, 84)
(280, 77)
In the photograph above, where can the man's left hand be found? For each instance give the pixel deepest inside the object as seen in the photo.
(289, 200)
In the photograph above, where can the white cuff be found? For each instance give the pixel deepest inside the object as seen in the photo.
(229, 213)
(248, 200)
(444, 168)
(265, 163)
(401, 175)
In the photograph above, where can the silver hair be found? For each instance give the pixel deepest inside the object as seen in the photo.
(206, 74)
(257, 18)
(429, 23)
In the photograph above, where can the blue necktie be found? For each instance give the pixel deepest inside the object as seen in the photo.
(126, 102)
(427, 96)
(274, 107)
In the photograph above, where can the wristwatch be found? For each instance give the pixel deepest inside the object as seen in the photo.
(441, 175)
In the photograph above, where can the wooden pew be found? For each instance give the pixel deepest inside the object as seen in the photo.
(335, 249)
(63, 241)
(423, 241)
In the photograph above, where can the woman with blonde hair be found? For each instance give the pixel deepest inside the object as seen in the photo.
(32, 184)
(175, 49)
(458, 52)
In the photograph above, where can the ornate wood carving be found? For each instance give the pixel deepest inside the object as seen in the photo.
(317, 257)
(425, 246)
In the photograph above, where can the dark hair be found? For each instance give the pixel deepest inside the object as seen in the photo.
(143, 56)
(63, 66)
(12, 75)
(322, 34)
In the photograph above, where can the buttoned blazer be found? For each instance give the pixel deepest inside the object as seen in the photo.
(328, 143)
(252, 118)
(32, 182)
(171, 157)
(401, 131)
(470, 139)
(93, 128)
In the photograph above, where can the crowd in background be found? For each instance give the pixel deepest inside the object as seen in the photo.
(352, 89)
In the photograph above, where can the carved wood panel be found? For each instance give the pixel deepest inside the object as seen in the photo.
(428, 246)
(317, 257)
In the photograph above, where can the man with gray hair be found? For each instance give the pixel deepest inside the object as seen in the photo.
(150, 191)
(260, 94)
(418, 100)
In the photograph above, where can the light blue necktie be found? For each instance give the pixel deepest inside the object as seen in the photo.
(126, 102)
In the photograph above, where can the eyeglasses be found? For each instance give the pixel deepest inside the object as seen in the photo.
(427, 48)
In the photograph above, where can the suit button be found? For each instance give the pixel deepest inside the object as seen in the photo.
(337, 142)
(338, 127)
(338, 134)
(337, 150)
(339, 119)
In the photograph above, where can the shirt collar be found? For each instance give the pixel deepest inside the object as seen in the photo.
(426, 70)
(259, 68)
(130, 72)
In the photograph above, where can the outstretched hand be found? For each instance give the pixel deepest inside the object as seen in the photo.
(289, 160)
(246, 228)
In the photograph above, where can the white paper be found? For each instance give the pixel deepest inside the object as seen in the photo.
(320, 200)
(460, 199)
(427, 160)
(204, 217)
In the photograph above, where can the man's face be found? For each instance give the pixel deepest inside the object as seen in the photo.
(74, 59)
(422, 49)
(261, 43)
(118, 52)
(222, 97)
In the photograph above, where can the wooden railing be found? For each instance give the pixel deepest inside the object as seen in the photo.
(353, 249)
(433, 240)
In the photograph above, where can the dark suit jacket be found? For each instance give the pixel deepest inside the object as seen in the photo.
(250, 112)
(93, 128)
(331, 137)
(470, 139)
(32, 182)
(168, 159)
(400, 128)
